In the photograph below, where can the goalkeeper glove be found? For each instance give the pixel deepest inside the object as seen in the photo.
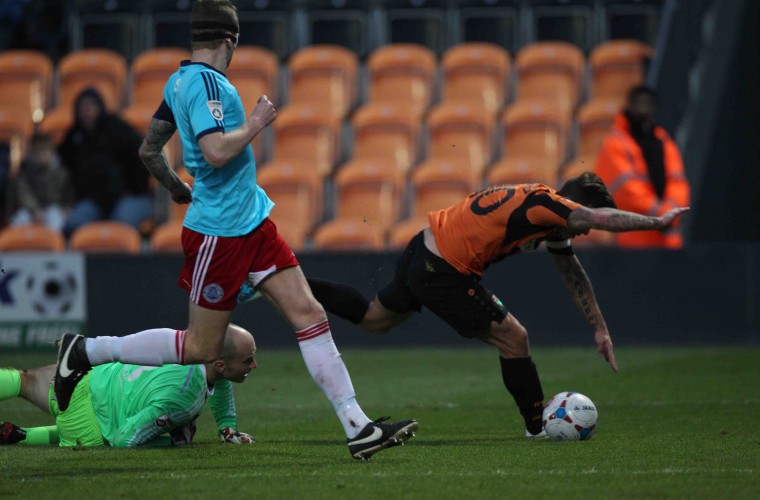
(183, 434)
(231, 436)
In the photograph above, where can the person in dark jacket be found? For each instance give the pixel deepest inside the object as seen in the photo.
(100, 152)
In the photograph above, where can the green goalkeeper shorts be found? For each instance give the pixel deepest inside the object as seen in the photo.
(78, 424)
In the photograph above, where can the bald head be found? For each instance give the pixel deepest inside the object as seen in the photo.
(237, 356)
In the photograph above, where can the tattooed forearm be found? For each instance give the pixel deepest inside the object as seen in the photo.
(152, 153)
(580, 288)
(610, 219)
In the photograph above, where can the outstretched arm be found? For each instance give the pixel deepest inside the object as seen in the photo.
(577, 282)
(152, 156)
(611, 219)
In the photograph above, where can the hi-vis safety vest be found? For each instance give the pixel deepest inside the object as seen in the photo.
(622, 167)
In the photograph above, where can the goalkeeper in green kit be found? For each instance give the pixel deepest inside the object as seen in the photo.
(130, 405)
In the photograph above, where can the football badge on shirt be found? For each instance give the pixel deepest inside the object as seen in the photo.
(215, 108)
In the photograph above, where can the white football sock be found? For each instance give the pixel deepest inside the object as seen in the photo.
(156, 347)
(328, 370)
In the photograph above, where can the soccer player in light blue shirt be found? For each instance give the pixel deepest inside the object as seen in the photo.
(227, 238)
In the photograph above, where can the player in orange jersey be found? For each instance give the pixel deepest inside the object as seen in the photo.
(442, 266)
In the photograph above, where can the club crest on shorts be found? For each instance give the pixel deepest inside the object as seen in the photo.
(215, 108)
(213, 293)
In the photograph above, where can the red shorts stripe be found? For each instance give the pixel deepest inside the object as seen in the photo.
(216, 266)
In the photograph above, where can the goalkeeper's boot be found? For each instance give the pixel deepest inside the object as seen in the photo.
(379, 435)
(11, 433)
(247, 293)
(73, 365)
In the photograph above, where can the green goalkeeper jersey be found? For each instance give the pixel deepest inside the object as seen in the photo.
(138, 405)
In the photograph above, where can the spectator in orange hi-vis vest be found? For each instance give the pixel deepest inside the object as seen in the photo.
(642, 167)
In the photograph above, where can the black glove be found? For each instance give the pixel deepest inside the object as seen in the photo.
(183, 434)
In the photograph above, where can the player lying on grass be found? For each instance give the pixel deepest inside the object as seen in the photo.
(130, 405)
(442, 266)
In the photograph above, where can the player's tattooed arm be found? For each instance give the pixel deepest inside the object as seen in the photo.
(578, 284)
(611, 219)
(152, 153)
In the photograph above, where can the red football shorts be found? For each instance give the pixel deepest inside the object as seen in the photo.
(216, 266)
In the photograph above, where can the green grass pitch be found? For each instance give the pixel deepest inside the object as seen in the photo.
(674, 423)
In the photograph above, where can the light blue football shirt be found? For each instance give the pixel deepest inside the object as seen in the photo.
(227, 201)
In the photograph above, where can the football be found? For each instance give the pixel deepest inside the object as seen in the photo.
(570, 416)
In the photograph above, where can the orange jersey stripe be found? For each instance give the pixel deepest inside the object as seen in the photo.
(496, 222)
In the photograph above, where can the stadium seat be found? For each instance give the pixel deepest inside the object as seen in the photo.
(552, 71)
(401, 232)
(439, 183)
(15, 131)
(616, 66)
(576, 167)
(370, 191)
(167, 238)
(348, 235)
(31, 237)
(106, 237)
(462, 133)
(25, 82)
(476, 72)
(594, 120)
(523, 170)
(387, 131)
(309, 133)
(57, 123)
(150, 70)
(296, 189)
(402, 74)
(534, 128)
(325, 75)
(255, 72)
(140, 117)
(103, 69)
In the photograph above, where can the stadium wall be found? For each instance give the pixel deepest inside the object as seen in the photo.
(706, 294)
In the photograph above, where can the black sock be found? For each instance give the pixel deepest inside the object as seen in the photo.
(340, 299)
(521, 380)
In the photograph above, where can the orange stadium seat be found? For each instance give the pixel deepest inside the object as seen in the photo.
(167, 238)
(370, 191)
(551, 71)
(439, 183)
(616, 66)
(476, 72)
(140, 117)
(57, 123)
(403, 74)
(296, 189)
(25, 82)
(103, 69)
(310, 133)
(254, 72)
(535, 128)
(106, 237)
(387, 131)
(15, 131)
(462, 133)
(401, 232)
(150, 70)
(31, 237)
(324, 75)
(576, 167)
(595, 119)
(348, 235)
(523, 170)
